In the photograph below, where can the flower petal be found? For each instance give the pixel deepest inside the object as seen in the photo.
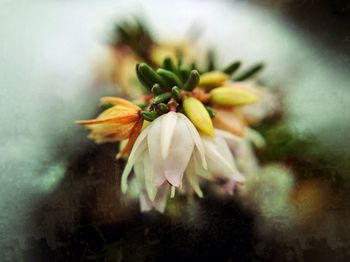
(168, 124)
(196, 138)
(154, 149)
(218, 164)
(180, 152)
(138, 149)
(125, 118)
(193, 178)
(161, 198)
(118, 101)
(132, 138)
(232, 140)
(149, 178)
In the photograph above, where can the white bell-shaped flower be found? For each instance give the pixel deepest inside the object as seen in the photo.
(164, 148)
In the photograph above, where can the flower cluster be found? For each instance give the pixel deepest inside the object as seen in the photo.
(189, 128)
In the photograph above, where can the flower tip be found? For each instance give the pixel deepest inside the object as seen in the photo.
(209, 131)
(229, 96)
(80, 122)
(118, 156)
(199, 116)
(213, 79)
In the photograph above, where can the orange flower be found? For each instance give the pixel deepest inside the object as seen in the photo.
(121, 121)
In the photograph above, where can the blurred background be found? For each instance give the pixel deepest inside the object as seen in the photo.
(58, 197)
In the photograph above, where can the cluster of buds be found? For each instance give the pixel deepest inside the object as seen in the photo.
(189, 129)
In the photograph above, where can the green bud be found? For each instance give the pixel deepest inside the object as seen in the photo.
(176, 93)
(230, 69)
(161, 98)
(193, 65)
(168, 64)
(211, 60)
(156, 90)
(149, 115)
(169, 77)
(162, 108)
(151, 75)
(143, 106)
(144, 81)
(192, 81)
(184, 74)
(249, 73)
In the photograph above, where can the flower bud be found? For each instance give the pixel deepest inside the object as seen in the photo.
(229, 96)
(213, 79)
(197, 113)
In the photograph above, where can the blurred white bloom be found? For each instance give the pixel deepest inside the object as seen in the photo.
(242, 151)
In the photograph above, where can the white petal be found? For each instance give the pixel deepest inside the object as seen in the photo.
(154, 149)
(137, 154)
(168, 123)
(232, 140)
(138, 143)
(199, 170)
(161, 198)
(149, 178)
(196, 138)
(138, 148)
(192, 177)
(139, 175)
(223, 149)
(180, 152)
(220, 164)
(159, 203)
(145, 203)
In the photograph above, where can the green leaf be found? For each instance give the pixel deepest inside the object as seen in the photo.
(176, 93)
(161, 98)
(169, 77)
(149, 115)
(192, 81)
(143, 80)
(156, 90)
(151, 75)
(162, 108)
(230, 69)
(143, 106)
(249, 72)
(169, 64)
(211, 60)
(184, 73)
(211, 111)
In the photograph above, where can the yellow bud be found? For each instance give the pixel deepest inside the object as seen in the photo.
(230, 96)
(213, 79)
(199, 116)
